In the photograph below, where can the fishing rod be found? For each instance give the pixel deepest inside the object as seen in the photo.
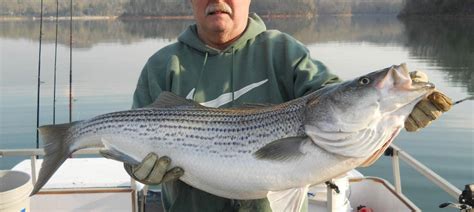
(462, 100)
(55, 62)
(39, 76)
(70, 64)
(465, 201)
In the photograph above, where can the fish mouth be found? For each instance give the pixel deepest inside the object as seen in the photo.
(421, 86)
(398, 92)
(399, 77)
(403, 80)
(215, 9)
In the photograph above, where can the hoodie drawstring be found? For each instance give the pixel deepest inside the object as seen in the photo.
(202, 70)
(232, 77)
(203, 64)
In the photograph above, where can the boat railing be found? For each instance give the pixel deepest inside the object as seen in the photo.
(34, 153)
(395, 152)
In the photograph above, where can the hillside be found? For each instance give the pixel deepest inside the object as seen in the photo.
(31, 8)
(308, 8)
(79, 8)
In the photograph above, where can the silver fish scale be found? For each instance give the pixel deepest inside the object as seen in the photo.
(224, 132)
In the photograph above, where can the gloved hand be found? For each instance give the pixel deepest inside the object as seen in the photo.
(427, 109)
(152, 170)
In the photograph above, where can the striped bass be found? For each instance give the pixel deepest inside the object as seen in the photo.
(252, 152)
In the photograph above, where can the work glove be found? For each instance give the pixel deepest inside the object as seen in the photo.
(425, 111)
(153, 170)
(428, 109)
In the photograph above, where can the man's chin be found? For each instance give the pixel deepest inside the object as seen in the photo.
(219, 26)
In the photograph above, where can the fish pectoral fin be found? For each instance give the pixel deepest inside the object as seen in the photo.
(288, 200)
(168, 99)
(282, 149)
(114, 153)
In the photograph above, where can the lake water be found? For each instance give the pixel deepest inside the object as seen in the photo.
(108, 56)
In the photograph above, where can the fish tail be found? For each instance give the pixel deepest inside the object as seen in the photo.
(57, 144)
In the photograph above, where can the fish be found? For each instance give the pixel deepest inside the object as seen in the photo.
(254, 151)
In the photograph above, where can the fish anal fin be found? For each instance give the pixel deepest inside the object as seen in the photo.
(288, 200)
(168, 99)
(114, 153)
(283, 149)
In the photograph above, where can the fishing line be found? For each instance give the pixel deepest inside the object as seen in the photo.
(39, 76)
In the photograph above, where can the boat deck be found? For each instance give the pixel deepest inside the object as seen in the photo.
(85, 184)
(99, 184)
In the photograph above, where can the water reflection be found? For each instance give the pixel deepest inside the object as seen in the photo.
(377, 29)
(164, 29)
(374, 29)
(447, 43)
(450, 42)
(100, 54)
(86, 34)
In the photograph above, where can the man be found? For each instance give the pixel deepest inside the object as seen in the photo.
(226, 59)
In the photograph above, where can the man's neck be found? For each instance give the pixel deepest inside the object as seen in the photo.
(219, 40)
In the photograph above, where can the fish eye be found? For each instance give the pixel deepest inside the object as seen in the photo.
(364, 81)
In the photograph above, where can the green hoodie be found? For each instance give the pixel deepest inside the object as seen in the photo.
(262, 66)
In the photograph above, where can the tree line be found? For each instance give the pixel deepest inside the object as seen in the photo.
(263, 7)
(272, 7)
(438, 7)
(79, 8)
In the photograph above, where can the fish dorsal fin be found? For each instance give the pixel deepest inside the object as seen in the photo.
(282, 149)
(313, 100)
(288, 200)
(168, 99)
(255, 105)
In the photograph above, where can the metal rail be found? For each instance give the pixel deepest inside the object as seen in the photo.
(398, 154)
(393, 151)
(33, 153)
(40, 152)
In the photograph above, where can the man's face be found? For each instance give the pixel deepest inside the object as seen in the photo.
(221, 16)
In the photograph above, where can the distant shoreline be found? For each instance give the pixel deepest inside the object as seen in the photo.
(130, 17)
(417, 16)
(181, 17)
(189, 17)
(52, 18)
